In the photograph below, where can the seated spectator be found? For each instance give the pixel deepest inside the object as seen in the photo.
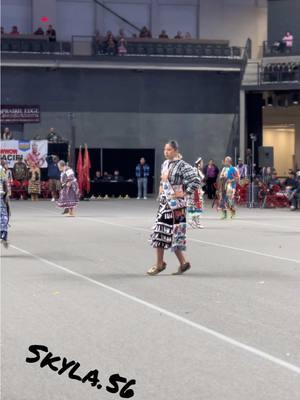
(273, 181)
(14, 30)
(39, 31)
(290, 182)
(288, 40)
(51, 33)
(98, 177)
(163, 35)
(52, 136)
(145, 33)
(178, 35)
(106, 177)
(7, 134)
(117, 177)
(188, 35)
(122, 47)
(2, 30)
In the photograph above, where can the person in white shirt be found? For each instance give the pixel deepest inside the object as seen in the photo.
(288, 41)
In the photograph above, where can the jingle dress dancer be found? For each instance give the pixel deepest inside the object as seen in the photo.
(178, 180)
(4, 207)
(69, 194)
(195, 202)
(229, 178)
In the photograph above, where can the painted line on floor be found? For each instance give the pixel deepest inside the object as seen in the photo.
(224, 246)
(227, 339)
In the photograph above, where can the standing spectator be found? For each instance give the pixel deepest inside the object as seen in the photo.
(142, 172)
(7, 134)
(288, 41)
(14, 30)
(53, 176)
(145, 33)
(242, 169)
(51, 33)
(39, 31)
(52, 136)
(211, 172)
(122, 47)
(178, 35)
(163, 35)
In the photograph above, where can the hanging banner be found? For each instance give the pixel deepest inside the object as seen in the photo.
(32, 152)
(20, 114)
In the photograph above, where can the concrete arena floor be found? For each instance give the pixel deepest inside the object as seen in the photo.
(229, 329)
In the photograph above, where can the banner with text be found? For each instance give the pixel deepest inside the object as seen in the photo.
(32, 152)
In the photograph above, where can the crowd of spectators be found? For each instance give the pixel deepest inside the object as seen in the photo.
(52, 136)
(117, 44)
(50, 33)
(107, 177)
(281, 191)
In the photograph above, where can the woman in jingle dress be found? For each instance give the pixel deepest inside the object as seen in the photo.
(178, 179)
(4, 207)
(69, 194)
(195, 202)
(34, 184)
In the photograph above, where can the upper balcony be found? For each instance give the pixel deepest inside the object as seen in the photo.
(138, 53)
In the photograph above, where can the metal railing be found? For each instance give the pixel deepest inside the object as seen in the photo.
(31, 44)
(172, 48)
(246, 56)
(280, 49)
(280, 73)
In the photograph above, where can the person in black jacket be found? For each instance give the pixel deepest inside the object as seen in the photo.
(53, 176)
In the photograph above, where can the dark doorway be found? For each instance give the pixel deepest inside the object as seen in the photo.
(125, 160)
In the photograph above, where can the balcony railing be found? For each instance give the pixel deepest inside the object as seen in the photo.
(33, 44)
(280, 49)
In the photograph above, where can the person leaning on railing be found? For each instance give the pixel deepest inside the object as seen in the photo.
(288, 40)
(51, 33)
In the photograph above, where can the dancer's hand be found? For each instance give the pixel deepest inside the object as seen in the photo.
(179, 194)
(164, 177)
